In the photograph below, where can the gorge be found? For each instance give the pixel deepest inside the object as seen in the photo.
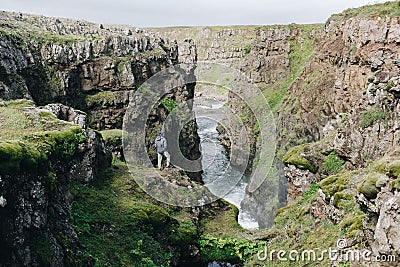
(67, 197)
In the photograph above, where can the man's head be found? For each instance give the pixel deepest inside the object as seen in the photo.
(160, 133)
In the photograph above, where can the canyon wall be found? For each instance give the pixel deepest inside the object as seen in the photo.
(74, 76)
(271, 57)
(334, 90)
(342, 115)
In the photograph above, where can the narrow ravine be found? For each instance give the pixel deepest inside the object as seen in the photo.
(215, 160)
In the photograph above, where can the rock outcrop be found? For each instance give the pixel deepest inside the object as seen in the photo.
(345, 108)
(340, 113)
(35, 172)
(82, 76)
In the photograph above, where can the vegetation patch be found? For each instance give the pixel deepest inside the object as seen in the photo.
(371, 117)
(335, 183)
(390, 9)
(301, 50)
(113, 136)
(120, 225)
(100, 98)
(351, 225)
(299, 230)
(31, 137)
(295, 156)
(396, 184)
(169, 104)
(231, 250)
(368, 186)
(309, 193)
(389, 166)
(339, 198)
(333, 163)
(247, 49)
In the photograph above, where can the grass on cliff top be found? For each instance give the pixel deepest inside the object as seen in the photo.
(20, 118)
(109, 135)
(29, 137)
(119, 225)
(14, 123)
(390, 9)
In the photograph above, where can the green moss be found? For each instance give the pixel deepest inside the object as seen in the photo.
(120, 225)
(222, 222)
(112, 136)
(333, 163)
(396, 184)
(310, 193)
(394, 168)
(169, 104)
(295, 156)
(368, 186)
(370, 117)
(184, 233)
(299, 230)
(100, 98)
(247, 49)
(281, 211)
(334, 184)
(352, 225)
(30, 138)
(232, 250)
(389, 166)
(35, 150)
(339, 197)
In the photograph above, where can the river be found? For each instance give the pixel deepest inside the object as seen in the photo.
(216, 167)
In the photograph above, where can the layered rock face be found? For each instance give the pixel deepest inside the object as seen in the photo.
(35, 174)
(226, 45)
(271, 57)
(80, 64)
(93, 70)
(356, 89)
(346, 105)
(341, 111)
(352, 105)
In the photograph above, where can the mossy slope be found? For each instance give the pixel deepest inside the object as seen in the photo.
(119, 225)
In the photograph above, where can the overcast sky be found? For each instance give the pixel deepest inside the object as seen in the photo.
(153, 13)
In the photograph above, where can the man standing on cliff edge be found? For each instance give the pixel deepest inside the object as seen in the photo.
(160, 144)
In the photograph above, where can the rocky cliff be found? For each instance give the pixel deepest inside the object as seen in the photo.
(271, 57)
(40, 155)
(93, 68)
(343, 113)
(75, 76)
(334, 90)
